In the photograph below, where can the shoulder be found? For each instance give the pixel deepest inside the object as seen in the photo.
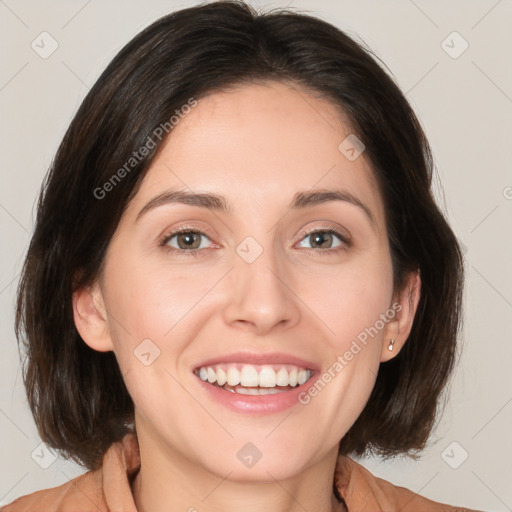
(364, 492)
(81, 494)
(106, 488)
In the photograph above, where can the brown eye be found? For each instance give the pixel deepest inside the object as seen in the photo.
(185, 241)
(325, 239)
(189, 240)
(321, 239)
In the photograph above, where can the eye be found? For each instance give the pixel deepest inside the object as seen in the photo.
(325, 239)
(189, 241)
(186, 241)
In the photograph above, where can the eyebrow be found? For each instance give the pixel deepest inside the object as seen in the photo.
(219, 203)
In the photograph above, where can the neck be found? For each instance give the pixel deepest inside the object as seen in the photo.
(168, 481)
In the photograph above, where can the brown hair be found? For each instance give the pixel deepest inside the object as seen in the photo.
(77, 395)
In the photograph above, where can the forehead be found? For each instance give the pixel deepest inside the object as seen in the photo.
(260, 143)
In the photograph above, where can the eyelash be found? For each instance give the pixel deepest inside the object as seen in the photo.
(195, 252)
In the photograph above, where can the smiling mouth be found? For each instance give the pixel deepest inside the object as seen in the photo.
(246, 379)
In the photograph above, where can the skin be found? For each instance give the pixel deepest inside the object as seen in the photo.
(257, 145)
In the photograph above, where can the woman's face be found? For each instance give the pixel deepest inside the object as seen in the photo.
(266, 280)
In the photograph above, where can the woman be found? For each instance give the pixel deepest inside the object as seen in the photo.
(239, 276)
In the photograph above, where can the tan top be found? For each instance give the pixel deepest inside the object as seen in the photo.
(107, 489)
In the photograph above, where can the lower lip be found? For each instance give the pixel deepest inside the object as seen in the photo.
(257, 404)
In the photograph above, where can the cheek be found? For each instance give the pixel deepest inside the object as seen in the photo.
(354, 302)
(152, 320)
(150, 301)
(350, 300)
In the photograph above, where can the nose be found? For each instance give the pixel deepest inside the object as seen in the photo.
(261, 298)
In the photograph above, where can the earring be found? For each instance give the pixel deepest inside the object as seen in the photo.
(391, 343)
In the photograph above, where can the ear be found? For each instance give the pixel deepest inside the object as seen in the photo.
(399, 327)
(90, 317)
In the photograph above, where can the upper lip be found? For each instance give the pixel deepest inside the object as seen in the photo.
(259, 359)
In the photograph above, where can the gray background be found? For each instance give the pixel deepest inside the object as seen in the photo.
(464, 101)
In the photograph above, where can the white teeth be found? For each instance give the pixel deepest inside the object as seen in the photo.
(221, 377)
(303, 377)
(249, 376)
(257, 391)
(212, 376)
(233, 377)
(254, 376)
(267, 377)
(281, 377)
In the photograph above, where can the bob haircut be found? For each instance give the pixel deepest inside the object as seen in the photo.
(76, 394)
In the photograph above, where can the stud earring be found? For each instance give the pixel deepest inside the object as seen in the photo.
(391, 343)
